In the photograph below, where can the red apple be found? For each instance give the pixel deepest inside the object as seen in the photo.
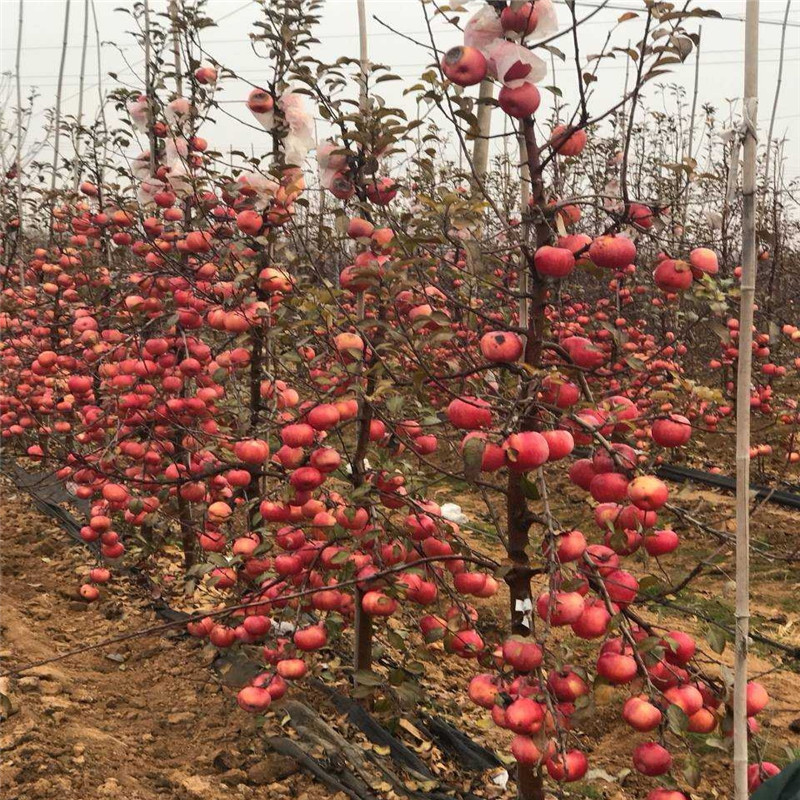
(524, 716)
(260, 101)
(469, 413)
(526, 451)
(648, 492)
(254, 699)
(612, 252)
(524, 655)
(553, 262)
(617, 668)
(567, 142)
(651, 759)
(641, 714)
(571, 767)
(464, 65)
(519, 99)
(758, 773)
(501, 347)
(523, 20)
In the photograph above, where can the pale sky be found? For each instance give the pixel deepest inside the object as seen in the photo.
(720, 74)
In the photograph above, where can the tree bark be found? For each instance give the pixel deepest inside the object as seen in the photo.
(529, 780)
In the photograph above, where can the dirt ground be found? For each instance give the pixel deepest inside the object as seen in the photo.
(136, 721)
(148, 718)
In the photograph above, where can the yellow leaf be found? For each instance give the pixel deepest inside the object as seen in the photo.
(411, 728)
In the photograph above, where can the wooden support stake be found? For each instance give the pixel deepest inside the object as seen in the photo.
(742, 613)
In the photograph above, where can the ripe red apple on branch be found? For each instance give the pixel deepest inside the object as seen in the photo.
(286, 408)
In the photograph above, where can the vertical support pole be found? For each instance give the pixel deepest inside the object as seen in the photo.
(57, 124)
(148, 79)
(777, 94)
(84, 46)
(20, 210)
(176, 46)
(743, 400)
(363, 58)
(687, 186)
(480, 150)
(362, 647)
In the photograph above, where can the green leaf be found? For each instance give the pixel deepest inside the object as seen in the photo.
(396, 677)
(473, 457)
(529, 488)
(366, 677)
(555, 51)
(718, 744)
(677, 720)
(409, 693)
(717, 639)
(691, 772)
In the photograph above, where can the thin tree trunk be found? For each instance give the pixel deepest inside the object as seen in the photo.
(57, 129)
(525, 197)
(518, 578)
(20, 213)
(777, 94)
(749, 184)
(79, 119)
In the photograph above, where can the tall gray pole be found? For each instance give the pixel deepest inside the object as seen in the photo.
(743, 400)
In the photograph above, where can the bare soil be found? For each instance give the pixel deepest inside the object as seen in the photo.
(149, 719)
(140, 720)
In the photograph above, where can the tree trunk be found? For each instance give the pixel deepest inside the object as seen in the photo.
(529, 780)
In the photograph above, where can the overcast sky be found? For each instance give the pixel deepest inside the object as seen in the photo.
(720, 74)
